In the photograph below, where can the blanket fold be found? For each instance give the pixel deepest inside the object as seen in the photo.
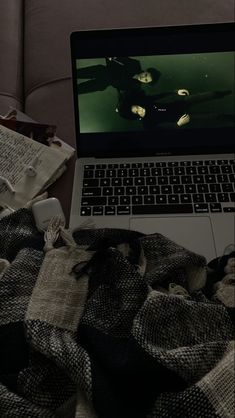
(119, 325)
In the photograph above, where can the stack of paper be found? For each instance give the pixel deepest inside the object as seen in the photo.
(27, 167)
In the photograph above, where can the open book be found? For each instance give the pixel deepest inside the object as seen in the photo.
(17, 154)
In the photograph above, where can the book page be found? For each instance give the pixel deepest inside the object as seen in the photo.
(23, 124)
(16, 153)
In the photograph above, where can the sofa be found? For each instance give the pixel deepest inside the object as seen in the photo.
(35, 70)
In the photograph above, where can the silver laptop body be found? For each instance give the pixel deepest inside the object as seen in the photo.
(154, 111)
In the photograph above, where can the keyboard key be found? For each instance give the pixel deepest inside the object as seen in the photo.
(210, 178)
(198, 197)
(139, 181)
(223, 197)
(149, 200)
(229, 209)
(227, 187)
(222, 162)
(158, 209)
(90, 182)
(186, 180)
(97, 211)
(190, 188)
(99, 173)
(161, 199)
(148, 164)
(198, 162)
(122, 172)
(150, 181)
(162, 180)
(88, 174)
(185, 163)
(232, 197)
(91, 191)
(226, 169)
(203, 188)
(125, 200)
(116, 182)
(142, 190)
(168, 171)
(125, 165)
(111, 173)
(215, 188)
(123, 210)
(105, 182)
(191, 170)
(128, 181)
(201, 208)
(133, 172)
(144, 172)
(154, 189)
(178, 189)
(210, 197)
(137, 200)
(214, 169)
(89, 167)
(113, 200)
(166, 189)
(174, 180)
(100, 166)
(185, 198)
(210, 162)
(155, 172)
(215, 207)
(202, 169)
(130, 190)
(136, 165)
(179, 171)
(232, 178)
(161, 164)
(93, 201)
(173, 164)
(118, 191)
(110, 210)
(108, 191)
(112, 166)
(198, 179)
(173, 198)
(85, 211)
(222, 178)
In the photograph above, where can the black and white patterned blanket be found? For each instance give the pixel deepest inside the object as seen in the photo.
(122, 325)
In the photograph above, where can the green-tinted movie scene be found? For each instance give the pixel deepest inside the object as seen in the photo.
(147, 93)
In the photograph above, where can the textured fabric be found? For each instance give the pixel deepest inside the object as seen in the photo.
(57, 299)
(122, 325)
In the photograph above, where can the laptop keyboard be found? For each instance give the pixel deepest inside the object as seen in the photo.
(158, 188)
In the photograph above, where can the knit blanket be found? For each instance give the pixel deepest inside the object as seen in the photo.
(112, 324)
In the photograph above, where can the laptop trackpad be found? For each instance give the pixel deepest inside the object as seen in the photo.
(193, 233)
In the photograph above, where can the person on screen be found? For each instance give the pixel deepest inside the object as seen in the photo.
(171, 108)
(122, 73)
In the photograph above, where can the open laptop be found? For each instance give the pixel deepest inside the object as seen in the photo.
(154, 112)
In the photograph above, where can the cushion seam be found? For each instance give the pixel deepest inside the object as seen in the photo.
(45, 83)
(2, 93)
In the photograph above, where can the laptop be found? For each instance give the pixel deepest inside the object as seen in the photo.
(154, 114)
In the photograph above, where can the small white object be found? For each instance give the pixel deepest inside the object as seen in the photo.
(45, 210)
(6, 183)
(30, 170)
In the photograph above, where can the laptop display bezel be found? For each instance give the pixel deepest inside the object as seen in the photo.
(143, 42)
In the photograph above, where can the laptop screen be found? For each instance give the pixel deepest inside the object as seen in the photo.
(154, 91)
